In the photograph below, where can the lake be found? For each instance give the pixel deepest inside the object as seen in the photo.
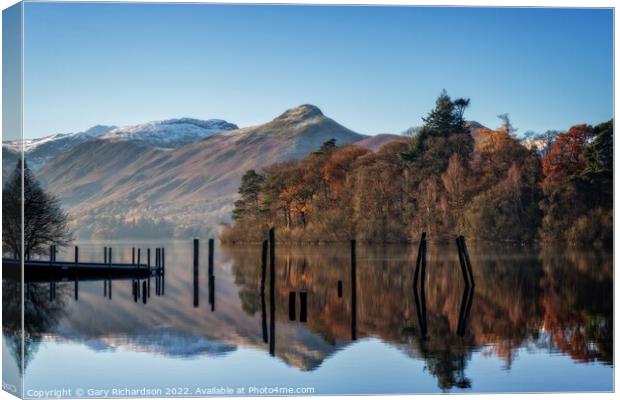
(538, 320)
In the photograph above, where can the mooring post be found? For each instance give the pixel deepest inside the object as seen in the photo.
(133, 256)
(110, 257)
(148, 258)
(291, 306)
(459, 247)
(138, 258)
(353, 291)
(75, 272)
(212, 292)
(418, 262)
(163, 260)
(105, 255)
(196, 252)
(467, 261)
(211, 250)
(144, 294)
(272, 292)
(303, 306)
(51, 254)
(196, 274)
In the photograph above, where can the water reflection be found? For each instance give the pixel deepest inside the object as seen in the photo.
(306, 304)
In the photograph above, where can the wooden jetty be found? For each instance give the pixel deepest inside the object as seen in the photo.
(55, 270)
(42, 271)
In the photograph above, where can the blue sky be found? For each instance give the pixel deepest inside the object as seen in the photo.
(373, 69)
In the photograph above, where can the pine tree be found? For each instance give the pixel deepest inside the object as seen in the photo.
(248, 204)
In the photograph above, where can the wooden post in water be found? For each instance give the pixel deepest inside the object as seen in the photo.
(163, 260)
(196, 275)
(303, 306)
(144, 295)
(462, 263)
(291, 306)
(339, 289)
(272, 292)
(211, 250)
(148, 258)
(138, 257)
(418, 263)
(133, 256)
(110, 256)
(353, 291)
(423, 283)
(467, 261)
(105, 255)
(75, 289)
(212, 292)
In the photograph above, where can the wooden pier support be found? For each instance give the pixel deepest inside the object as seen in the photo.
(420, 296)
(196, 274)
(211, 254)
(272, 292)
(76, 260)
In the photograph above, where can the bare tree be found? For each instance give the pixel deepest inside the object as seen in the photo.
(45, 222)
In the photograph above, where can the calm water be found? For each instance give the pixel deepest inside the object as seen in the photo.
(536, 321)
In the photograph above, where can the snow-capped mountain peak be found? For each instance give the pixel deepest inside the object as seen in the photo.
(170, 133)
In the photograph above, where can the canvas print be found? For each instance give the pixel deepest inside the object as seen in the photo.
(250, 200)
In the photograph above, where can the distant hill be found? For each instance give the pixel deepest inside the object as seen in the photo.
(191, 187)
(171, 133)
(375, 142)
(39, 151)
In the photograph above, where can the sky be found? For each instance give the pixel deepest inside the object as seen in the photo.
(373, 69)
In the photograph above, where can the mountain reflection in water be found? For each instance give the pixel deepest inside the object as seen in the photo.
(555, 301)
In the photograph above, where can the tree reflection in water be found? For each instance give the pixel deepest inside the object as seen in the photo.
(40, 315)
(523, 297)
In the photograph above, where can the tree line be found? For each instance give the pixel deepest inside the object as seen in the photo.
(446, 179)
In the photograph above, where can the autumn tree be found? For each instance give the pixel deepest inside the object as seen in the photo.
(578, 186)
(455, 181)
